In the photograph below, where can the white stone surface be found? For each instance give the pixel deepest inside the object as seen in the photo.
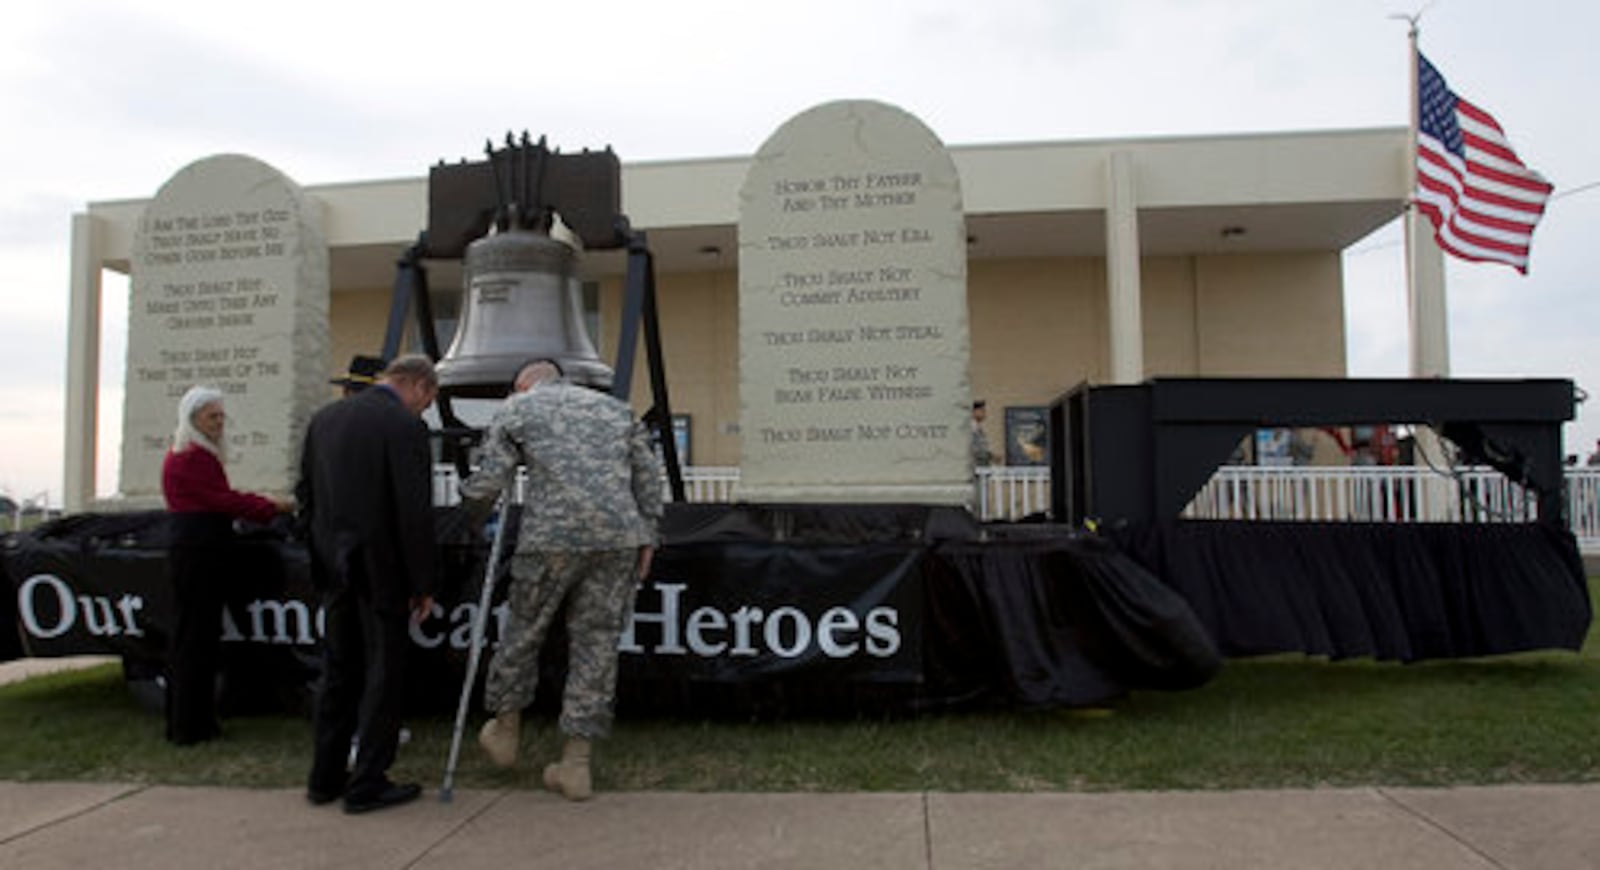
(230, 288)
(854, 348)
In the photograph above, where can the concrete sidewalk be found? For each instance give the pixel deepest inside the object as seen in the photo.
(108, 825)
(56, 825)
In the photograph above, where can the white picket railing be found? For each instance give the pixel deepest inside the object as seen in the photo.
(701, 483)
(1013, 492)
(1373, 493)
(1583, 506)
(1307, 493)
(1003, 493)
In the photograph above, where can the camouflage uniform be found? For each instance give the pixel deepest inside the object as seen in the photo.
(593, 499)
(981, 454)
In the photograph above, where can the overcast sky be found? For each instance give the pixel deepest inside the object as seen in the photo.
(107, 101)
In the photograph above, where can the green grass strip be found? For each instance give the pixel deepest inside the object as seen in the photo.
(1286, 721)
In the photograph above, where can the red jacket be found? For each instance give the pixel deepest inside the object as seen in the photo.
(193, 482)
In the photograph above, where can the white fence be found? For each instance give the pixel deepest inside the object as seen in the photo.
(701, 483)
(1003, 494)
(1373, 493)
(1011, 493)
(1399, 494)
(1390, 494)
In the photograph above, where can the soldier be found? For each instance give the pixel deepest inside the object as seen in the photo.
(981, 454)
(588, 532)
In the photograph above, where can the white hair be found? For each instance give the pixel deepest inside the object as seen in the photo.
(197, 398)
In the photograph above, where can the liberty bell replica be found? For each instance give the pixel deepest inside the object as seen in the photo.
(522, 298)
(519, 222)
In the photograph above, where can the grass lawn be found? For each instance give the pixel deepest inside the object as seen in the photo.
(1283, 721)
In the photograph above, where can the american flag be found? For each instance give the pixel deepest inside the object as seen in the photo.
(1482, 200)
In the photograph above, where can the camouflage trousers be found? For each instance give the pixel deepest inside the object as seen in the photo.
(598, 588)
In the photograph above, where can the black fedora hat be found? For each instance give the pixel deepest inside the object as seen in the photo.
(364, 371)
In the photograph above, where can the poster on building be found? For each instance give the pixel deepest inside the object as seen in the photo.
(1027, 435)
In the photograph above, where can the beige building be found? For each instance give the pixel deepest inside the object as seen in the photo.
(1101, 261)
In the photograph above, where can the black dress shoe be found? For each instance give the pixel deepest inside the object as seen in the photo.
(391, 795)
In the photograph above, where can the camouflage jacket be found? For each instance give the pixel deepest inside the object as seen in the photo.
(981, 454)
(594, 481)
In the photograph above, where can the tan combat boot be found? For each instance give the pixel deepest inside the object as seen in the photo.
(501, 736)
(570, 776)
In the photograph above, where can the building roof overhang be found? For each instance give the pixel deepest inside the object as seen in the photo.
(1197, 195)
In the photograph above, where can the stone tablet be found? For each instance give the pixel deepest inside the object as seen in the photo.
(230, 289)
(853, 342)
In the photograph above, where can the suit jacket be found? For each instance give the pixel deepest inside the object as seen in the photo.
(366, 495)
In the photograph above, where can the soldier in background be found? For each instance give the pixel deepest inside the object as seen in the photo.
(981, 454)
(589, 529)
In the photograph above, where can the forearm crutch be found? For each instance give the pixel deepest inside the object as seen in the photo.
(480, 619)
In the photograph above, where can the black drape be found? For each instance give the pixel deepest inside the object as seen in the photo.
(1385, 590)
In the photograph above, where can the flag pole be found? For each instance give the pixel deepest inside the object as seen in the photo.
(1425, 302)
(1425, 288)
(1413, 118)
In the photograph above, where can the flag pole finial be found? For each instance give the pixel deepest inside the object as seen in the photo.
(1414, 19)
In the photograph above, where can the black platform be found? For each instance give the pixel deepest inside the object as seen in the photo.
(749, 610)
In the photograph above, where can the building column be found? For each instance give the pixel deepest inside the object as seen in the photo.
(83, 367)
(1439, 496)
(1425, 300)
(1124, 319)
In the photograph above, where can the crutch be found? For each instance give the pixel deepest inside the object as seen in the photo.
(447, 788)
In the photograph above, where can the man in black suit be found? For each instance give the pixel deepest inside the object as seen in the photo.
(366, 496)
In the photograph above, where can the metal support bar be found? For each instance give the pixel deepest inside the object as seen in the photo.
(639, 306)
(410, 294)
(633, 290)
(408, 276)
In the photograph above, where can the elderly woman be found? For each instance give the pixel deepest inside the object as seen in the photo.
(202, 509)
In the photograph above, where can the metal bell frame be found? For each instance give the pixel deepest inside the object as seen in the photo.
(529, 184)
